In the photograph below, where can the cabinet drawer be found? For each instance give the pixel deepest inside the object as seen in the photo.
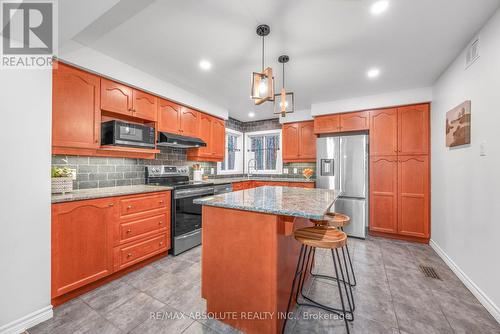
(137, 228)
(133, 205)
(130, 254)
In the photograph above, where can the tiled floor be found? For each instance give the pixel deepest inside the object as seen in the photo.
(392, 296)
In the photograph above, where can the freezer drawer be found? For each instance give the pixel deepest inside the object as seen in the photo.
(357, 210)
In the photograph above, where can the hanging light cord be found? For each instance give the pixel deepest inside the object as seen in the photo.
(283, 75)
(262, 53)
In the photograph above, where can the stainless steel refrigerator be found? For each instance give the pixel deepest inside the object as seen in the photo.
(342, 163)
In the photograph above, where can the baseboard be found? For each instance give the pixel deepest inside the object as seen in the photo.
(476, 291)
(28, 321)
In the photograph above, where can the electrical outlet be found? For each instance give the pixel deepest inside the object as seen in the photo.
(212, 170)
(285, 170)
(73, 174)
(295, 171)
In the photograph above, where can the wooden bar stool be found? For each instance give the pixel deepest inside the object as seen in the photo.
(337, 220)
(326, 238)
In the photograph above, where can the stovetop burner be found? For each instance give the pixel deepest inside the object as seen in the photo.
(172, 176)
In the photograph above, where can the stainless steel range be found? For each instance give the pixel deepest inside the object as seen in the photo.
(186, 216)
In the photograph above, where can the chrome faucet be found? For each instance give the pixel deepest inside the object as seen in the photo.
(248, 167)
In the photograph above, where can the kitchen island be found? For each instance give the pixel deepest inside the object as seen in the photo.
(249, 253)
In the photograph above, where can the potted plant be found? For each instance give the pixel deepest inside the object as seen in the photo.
(62, 180)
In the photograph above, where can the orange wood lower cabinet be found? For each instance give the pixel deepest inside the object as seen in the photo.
(92, 239)
(384, 194)
(81, 243)
(240, 278)
(413, 196)
(128, 255)
(399, 197)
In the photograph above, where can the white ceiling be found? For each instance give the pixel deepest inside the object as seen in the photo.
(331, 44)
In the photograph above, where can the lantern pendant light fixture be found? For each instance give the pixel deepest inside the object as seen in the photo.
(284, 101)
(263, 82)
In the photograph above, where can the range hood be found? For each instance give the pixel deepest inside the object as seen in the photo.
(174, 140)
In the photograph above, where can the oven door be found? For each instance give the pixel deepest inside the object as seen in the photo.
(187, 214)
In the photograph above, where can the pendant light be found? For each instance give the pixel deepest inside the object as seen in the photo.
(283, 102)
(263, 82)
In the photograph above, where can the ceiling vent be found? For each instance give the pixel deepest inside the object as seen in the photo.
(472, 53)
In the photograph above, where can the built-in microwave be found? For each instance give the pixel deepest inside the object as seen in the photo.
(127, 134)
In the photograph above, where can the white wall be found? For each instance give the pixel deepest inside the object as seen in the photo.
(82, 56)
(297, 116)
(25, 108)
(465, 186)
(397, 98)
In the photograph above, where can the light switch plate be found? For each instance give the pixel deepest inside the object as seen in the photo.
(295, 170)
(285, 170)
(212, 170)
(482, 149)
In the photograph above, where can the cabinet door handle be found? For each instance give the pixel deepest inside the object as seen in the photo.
(129, 231)
(160, 222)
(161, 202)
(111, 205)
(129, 254)
(161, 243)
(129, 207)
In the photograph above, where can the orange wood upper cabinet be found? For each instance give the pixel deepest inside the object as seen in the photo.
(299, 142)
(169, 116)
(413, 131)
(384, 132)
(205, 133)
(355, 121)
(218, 138)
(212, 131)
(413, 196)
(82, 237)
(307, 140)
(189, 122)
(116, 97)
(144, 105)
(384, 194)
(76, 116)
(291, 134)
(327, 124)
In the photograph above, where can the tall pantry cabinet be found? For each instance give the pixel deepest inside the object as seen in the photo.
(399, 172)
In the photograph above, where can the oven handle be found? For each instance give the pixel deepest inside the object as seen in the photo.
(188, 235)
(193, 192)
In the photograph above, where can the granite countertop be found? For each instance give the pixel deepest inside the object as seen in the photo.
(256, 178)
(83, 194)
(309, 203)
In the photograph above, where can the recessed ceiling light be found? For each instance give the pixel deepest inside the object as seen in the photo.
(205, 65)
(379, 7)
(251, 114)
(373, 73)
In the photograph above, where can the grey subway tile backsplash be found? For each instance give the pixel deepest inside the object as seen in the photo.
(107, 183)
(98, 176)
(108, 168)
(124, 182)
(99, 172)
